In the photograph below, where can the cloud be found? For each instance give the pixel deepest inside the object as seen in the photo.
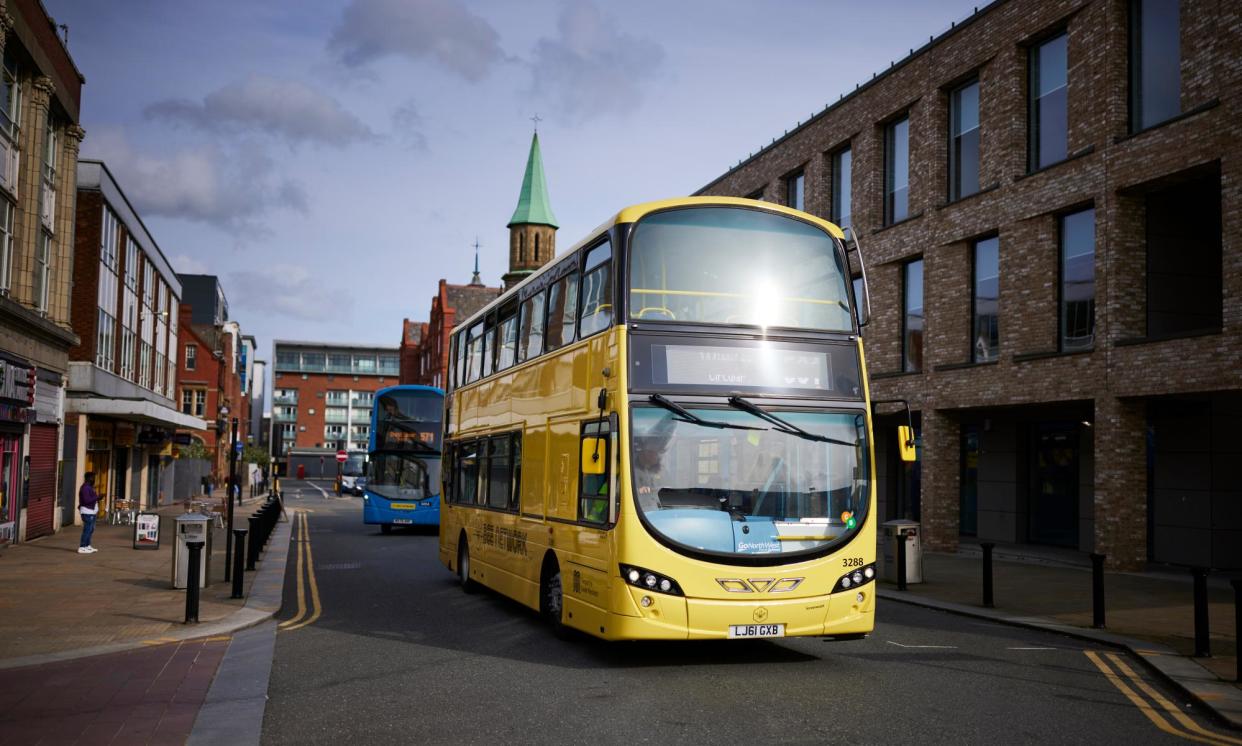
(442, 30)
(186, 264)
(285, 109)
(591, 68)
(229, 189)
(407, 127)
(289, 290)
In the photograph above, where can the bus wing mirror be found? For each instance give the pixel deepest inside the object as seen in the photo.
(905, 443)
(593, 453)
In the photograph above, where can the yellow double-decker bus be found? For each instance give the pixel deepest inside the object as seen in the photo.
(664, 433)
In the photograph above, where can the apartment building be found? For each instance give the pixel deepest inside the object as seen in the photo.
(1047, 196)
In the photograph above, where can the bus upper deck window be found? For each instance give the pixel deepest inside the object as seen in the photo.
(596, 291)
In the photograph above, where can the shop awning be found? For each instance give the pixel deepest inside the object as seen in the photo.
(134, 410)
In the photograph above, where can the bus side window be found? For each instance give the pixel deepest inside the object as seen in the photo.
(475, 353)
(595, 489)
(596, 291)
(530, 345)
(499, 476)
(556, 315)
(468, 473)
(489, 347)
(507, 343)
(515, 495)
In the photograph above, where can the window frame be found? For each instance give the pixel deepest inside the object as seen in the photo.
(1134, 60)
(842, 219)
(890, 138)
(1033, 129)
(1061, 281)
(606, 266)
(954, 169)
(906, 366)
(795, 190)
(974, 298)
(603, 428)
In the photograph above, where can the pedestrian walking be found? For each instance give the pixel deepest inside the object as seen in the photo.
(88, 506)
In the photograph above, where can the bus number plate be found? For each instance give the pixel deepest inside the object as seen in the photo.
(756, 630)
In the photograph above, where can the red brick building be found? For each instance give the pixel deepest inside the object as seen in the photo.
(322, 395)
(1048, 199)
(211, 387)
(429, 359)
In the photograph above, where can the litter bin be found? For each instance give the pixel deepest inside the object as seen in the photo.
(907, 531)
(191, 527)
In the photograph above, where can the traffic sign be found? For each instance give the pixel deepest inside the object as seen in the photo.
(341, 456)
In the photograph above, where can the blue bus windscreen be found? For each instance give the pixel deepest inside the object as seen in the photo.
(403, 473)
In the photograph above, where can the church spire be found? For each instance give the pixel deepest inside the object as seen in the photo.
(476, 280)
(532, 229)
(534, 207)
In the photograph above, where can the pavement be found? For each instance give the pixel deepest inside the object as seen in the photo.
(1148, 613)
(94, 648)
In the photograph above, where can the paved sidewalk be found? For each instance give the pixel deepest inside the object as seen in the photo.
(58, 603)
(1151, 613)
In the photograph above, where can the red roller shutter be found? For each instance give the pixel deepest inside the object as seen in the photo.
(42, 499)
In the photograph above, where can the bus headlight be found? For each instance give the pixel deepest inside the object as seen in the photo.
(855, 578)
(650, 581)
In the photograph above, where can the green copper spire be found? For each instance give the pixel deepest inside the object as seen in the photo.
(533, 203)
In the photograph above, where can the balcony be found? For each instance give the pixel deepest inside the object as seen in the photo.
(335, 415)
(284, 399)
(285, 416)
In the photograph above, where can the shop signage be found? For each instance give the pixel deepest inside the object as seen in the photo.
(124, 436)
(152, 437)
(182, 439)
(17, 382)
(10, 413)
(147, 531)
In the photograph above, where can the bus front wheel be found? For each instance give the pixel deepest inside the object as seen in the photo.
(552, 598)
(463, 566)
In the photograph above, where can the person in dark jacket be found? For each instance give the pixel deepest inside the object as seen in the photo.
(88, 506)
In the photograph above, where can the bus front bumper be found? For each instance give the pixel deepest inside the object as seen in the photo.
(679, 618)
(379, 511)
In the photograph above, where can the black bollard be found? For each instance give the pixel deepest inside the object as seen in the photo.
(253, 545)
(239, 541)
(192, 582)
(901, 561)
(1097, 590)
(987, 573)
(1237, 621)
(1203, 643)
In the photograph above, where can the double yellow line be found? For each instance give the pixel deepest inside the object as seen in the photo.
(306, 577)
(1190, 730)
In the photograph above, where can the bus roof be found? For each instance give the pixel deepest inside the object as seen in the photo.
(632, 214)
(409, 387)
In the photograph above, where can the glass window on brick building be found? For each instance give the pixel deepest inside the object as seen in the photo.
(842, 186)
(897, 171)
(1049, 103)
(1155, 62)
(986, 301)
(1077, 238)
(912, 317)
(964, 141)
(795, 191)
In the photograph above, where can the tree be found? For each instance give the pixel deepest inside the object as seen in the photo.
(195, 450)
(255, 455)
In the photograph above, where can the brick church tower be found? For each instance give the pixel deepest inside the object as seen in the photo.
(532, 229)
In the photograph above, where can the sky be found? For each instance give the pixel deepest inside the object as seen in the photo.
(331, 161)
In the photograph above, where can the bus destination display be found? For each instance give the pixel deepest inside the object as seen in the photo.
(761, 366)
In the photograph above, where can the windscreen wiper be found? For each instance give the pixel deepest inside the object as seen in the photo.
(783, 425)
(686, 415)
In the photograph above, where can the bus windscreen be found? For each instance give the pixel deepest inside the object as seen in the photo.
(737, 266)
(408, 421)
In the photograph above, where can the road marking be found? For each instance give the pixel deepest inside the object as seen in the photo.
(299, 522)
(1143, 706)
(1169, 707)
(933, 647)
(322, 491)
(315, 608)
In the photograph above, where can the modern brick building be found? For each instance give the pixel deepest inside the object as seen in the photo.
(211, 386)
(532, 243)
(1049, 202)
(322, 395)
(40, 95)
(120, 412)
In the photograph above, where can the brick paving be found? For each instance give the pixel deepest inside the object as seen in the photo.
(55, 600)
(144, 696)
(1156, 607)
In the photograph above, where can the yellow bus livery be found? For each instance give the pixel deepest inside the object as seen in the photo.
(665, 432)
